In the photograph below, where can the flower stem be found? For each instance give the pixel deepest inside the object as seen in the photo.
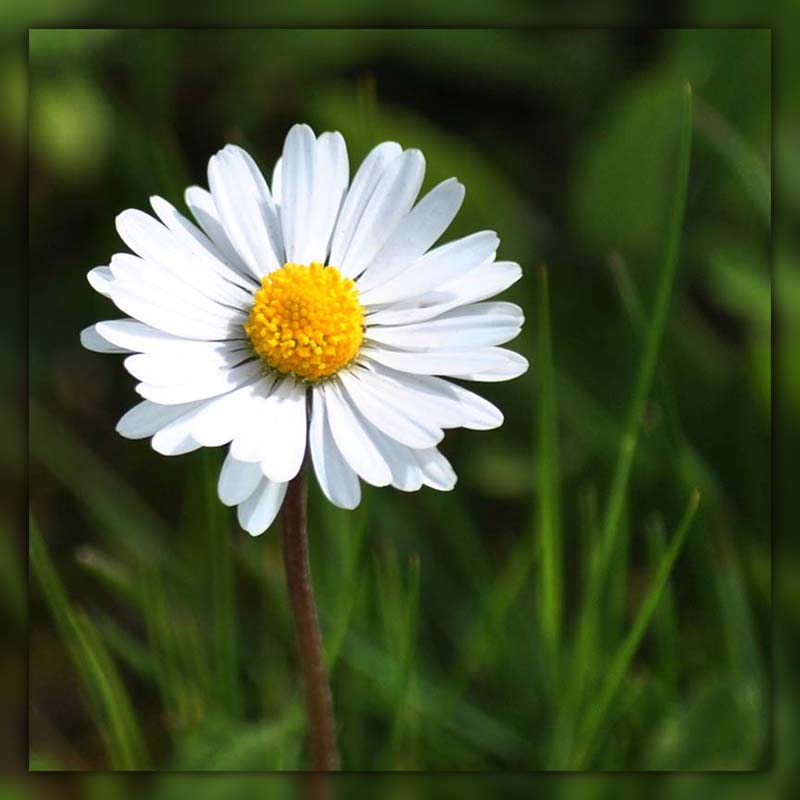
(319, 706)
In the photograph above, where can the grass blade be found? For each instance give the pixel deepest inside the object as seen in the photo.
(461, 719)
(587, 627)
(751, 171)
(652, 346)
(665, 621)
(399, 601)
(547, 525)
(348, 531)
(616, 597)
(173, 640)
(690, 467)
(222, 597)
(112, 707)
(496, 605)
(598, 709)
(119, 511)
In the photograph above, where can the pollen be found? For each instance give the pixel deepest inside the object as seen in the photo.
(306, 321)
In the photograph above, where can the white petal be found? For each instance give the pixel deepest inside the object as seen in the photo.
(486, 364)
(163, 310)
(223, 418)
(277, 172)
(168, 289)
(200, 389)
(176, 369)
(390, 202)
(312, 188)
(201, 203)
(436, 469)
(366, 179)
(277, 436)
(245, 209)
(164, 253)
(137, 337)
(100, 279)
(91, 339)
(481, 414)
(386, 414)
(416, 233)
(352, 437)
(204, 249)
(249, 444)
(147, 418)
(332, 173)
(406, 474)
(465, 328)
(444, 403)
(258, 512)
(237, 481)
(436, 267)
(177, 435)
(175, 439)
(339, 483)
(297, 190)
(508, 365)
(287, 444)
(478, 283)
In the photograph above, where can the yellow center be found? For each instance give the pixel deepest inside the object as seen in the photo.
(306, 321)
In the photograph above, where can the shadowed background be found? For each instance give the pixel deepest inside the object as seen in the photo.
(431, 604)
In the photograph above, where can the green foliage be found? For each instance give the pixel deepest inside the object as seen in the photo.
(539, 616)
(100, 678)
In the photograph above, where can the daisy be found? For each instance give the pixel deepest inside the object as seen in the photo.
(311, 314)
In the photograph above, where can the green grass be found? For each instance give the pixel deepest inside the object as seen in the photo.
(546, 528)
(601, 564)
(567, 606)
(99, 677)
(195, 671)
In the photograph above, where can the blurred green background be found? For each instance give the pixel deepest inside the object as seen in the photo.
(159, 632)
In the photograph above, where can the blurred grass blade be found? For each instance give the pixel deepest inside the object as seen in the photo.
(585, 418)
(399, 601)
(598, 709)
(665, 621)
(112, 707)
(588, 623)
(751, 171)
(690, 467)
(111, 572)
(346, 530)
(497, 604)
(222, 597)
(737, 623)
(547, 526)
(181, 665)
(125, 646)
(616, 599)
(652, 346)
(119, 510)
(462, 536)
(480, 729)
(224, 745)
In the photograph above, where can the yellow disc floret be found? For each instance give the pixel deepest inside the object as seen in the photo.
(306, 321)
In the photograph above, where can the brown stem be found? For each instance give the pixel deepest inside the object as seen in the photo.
(321, 722)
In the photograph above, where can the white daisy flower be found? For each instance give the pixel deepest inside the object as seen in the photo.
(313, 315)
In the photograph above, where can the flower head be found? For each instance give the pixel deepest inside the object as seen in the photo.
(313, 314)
